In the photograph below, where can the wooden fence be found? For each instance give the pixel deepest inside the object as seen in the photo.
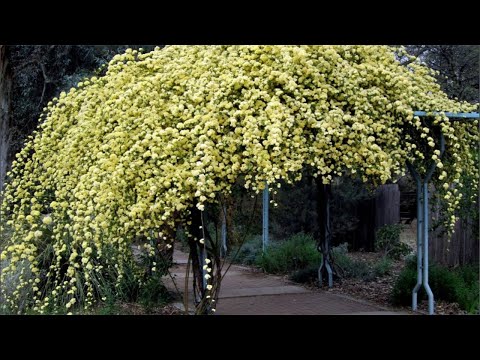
(463, 247)
(387, 205)
(383, 209)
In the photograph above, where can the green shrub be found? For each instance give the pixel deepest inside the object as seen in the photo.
(468, 294)
(346, 267)
(460, 285)
(469, 274)
(248, 253)
(296, 253)
(444, 283)
(468, 298)
(359, 269)
(411, 261)
(153, 293)
(382, 267)
(388, 241)
(341, 258)
(341, 249)
(402, 290)
(307, 275)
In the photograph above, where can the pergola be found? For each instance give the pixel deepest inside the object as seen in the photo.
(422, 215)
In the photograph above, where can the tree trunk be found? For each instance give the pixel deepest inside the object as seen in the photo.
(204, 297)
(228, 212)
(5, 97)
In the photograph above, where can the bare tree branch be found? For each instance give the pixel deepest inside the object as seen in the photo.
(45, 81)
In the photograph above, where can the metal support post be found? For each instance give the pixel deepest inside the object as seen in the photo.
(265, 218)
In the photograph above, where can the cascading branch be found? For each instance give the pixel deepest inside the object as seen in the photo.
(128, 153)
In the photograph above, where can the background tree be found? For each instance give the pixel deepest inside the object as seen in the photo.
(5, 99)
(457, 67)
(31, 75)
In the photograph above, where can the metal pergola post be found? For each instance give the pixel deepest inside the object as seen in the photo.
(422, 230)
(265, 218)
(420, 212)
(223, 248)
(426, 285)
(423, 214)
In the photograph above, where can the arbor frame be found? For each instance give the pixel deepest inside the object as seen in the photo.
(422, 217)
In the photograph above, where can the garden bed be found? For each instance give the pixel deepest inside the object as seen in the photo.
(379, 290)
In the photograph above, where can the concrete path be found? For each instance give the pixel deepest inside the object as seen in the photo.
(246, 292)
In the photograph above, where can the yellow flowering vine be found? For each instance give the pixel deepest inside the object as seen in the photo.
(128, 153)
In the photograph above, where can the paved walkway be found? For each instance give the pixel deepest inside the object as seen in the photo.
(245, 292)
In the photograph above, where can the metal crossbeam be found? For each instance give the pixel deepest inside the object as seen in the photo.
(451, 115)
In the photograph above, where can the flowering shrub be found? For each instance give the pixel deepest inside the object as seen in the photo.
(129, 153)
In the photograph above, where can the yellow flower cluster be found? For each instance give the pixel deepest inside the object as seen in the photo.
(128, 153)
